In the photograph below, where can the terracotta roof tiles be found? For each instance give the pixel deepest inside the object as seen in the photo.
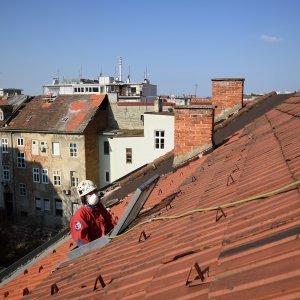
(65, 113)
(248, 249)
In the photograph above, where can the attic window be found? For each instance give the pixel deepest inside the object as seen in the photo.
(29, 119)
(1, 115)
(64, 119)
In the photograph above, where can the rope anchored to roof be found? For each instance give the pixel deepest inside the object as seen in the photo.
(284, 188)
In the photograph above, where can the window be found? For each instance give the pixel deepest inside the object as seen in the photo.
(34, 147)
(159, 139)
(74, 179)
(22, 189)
(20, 142)
(58, 207)
(55, 148)
(47, 205)
(4, 145)
(57, 177)
(106, 176)
(75, 206)
(43, 147)
(95, 89)
(38, 203)
(6, 173)
(36, 175)
(128, 155)
(73, 149)
(21, 160)
(106, 147)
(1, 115)
(45, 179)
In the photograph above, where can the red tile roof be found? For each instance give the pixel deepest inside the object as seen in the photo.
(252, 251)
(67, 113)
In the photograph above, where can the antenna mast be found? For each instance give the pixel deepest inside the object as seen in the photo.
(120, 68)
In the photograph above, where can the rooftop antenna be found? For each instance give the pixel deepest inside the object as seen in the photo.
(80, 72)
(196, 87)
(120, 68)
(128, 78)
(146, 74)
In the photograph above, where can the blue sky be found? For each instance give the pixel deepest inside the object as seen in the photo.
(179, 43)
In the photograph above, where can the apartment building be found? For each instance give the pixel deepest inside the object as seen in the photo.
(122, 151)
(117, 90)
(47, 148)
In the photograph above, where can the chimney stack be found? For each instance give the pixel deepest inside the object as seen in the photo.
(193, 131)
(227, 96)
(158, 104)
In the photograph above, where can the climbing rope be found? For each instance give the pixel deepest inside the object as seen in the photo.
(212, 208)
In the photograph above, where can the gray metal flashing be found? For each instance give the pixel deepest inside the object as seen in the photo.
(133, 209)
(88, 247)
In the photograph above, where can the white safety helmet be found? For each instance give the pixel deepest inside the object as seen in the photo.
(85, 187)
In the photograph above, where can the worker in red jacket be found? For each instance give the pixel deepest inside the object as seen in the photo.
(91, 220)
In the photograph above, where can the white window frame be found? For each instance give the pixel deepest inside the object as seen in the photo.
(159, 139)
(45, 176)
(55, 148)
(22, 189)
(74, 179)
(1, 115)
(21, 160)
(73, 150)
(57, 178)
(20, 142)
(6, 173)
(4, 145)
(34, 147)
(36, 177)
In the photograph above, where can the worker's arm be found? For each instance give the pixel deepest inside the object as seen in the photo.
(79, 230)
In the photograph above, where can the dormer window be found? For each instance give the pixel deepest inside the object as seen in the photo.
(1, 115)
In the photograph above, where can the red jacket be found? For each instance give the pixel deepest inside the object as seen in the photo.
(90, 223)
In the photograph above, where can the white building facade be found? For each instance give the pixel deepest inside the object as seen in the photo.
(121, 153)
(125, 91)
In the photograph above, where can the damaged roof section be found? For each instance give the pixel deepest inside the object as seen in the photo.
(64, 113)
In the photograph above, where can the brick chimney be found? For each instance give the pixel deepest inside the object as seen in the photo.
(227, 96)
(193, 131)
